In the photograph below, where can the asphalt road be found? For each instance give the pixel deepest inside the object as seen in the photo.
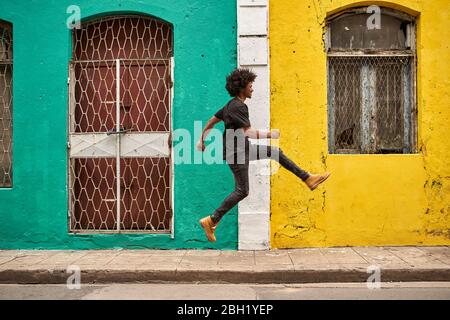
(181, 291)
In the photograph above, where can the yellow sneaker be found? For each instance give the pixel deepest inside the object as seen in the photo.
(315, 179)
(209, 227)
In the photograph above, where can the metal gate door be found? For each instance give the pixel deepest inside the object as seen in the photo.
(120, 168)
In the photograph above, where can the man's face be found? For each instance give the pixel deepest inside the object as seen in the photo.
(248, 90)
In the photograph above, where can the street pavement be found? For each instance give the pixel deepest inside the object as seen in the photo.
(227, 292)
(283, 266)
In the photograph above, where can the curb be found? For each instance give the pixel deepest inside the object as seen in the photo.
(46, 276)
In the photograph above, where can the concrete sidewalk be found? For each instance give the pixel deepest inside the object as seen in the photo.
(312, 265)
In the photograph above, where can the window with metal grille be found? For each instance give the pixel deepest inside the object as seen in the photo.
(6, 65)
(371, 82)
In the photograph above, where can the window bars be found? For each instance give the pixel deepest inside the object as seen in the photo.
(120, 170)
(6, 66)
(371, 84)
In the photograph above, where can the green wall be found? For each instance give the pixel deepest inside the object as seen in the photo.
(33, 213)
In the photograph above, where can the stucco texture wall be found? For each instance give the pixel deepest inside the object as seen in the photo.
(33, 213)
(396, 199)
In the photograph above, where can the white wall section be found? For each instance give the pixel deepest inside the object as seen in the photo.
(253, 53)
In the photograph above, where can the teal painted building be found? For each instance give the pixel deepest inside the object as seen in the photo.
(55, 197)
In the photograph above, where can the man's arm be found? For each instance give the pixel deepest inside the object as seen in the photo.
(209, 125)
(241, 118)
(259, 134)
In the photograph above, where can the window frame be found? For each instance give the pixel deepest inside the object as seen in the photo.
(368, 140)
(4, 63)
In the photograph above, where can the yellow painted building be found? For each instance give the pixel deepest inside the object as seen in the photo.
(370, 198)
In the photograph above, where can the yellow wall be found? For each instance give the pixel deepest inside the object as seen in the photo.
(369, 199)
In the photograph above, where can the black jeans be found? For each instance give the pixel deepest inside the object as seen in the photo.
(240, 173)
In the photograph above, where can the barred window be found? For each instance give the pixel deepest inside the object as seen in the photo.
(371, 82)
(5, 104)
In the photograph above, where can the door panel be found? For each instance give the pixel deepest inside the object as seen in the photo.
(145, 95)
(145, 195)
(95, 94)
(94, 193)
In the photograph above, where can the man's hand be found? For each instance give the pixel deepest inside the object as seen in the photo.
(201, 145)
(274, 134)
(211, 122)
(258, 134)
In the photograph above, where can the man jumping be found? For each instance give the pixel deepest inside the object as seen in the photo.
(237, 155)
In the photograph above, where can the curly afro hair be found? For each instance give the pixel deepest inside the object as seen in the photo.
(238, 80)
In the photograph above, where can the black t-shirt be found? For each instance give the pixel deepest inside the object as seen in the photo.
(235, 117)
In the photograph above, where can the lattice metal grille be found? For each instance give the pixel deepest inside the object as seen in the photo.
(123, 37)
(370, 99)
(346, 101)
(120, 123)
(391, 98)
(145, 194)
(5, 104)
(144, 95)
(93, 193)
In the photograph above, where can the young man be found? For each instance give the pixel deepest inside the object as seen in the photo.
(237, 155)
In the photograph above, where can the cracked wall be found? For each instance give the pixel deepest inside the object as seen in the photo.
(394, 199)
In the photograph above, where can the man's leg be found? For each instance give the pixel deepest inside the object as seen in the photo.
(241, 190)
(259, 151)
